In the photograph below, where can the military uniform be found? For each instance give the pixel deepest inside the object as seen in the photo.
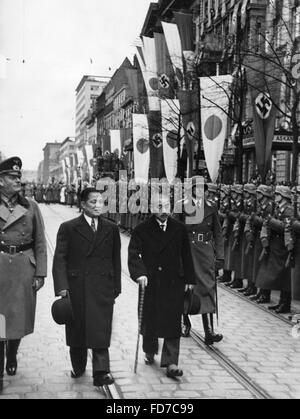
(265, 209)
(207, 245)
(292, 241)
(273, 273)
(249, 238)
(226, 230)
(236, 236)
(23, 258)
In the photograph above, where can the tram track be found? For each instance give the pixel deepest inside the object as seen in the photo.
(111, 392)
(223, 360)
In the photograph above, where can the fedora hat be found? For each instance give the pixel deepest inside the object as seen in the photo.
(62, 311)
(191, 303)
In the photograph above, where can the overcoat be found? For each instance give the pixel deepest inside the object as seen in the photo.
(88, 265)
(17, 298)
(204, 253)
(273, 274)
(165, 258)
(296, 270)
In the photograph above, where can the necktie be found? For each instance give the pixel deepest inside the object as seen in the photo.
(163, 227)
(93, 225)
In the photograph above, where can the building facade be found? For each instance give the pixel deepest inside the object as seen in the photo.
(51, 162)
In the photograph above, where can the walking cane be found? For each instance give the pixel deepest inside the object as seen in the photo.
(141, 307)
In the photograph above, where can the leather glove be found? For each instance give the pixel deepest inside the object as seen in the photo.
(63, 293)
(249, 237)
(219, 264)
(38, 283)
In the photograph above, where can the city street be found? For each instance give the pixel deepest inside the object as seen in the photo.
(260, 344)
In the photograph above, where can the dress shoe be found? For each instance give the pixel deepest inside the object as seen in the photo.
(149, 359)
(237, 283)
(11, 367)
(174, 372)
(101, 380)
(211, 338)
(283, 309)
(77, 374)
(263, 300)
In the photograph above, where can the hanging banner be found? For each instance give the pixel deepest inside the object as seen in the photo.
(244, 13)
(209, 13)
(190, 113)
(263, 77)
(165, 71)
(171, 126)
(68, 169)
(185, 25)
(90, 157)
(126, 134)
(173, 40)
(80, 157)
(141, 147)
(223, 11)
(234, 21)
(215, 93)
(3, 327)
(63, 163)
(147, 61)
(157, 170)
(115, 141)
(217, 3)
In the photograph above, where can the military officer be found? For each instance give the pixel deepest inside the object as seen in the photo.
(207, 245)
(227, 226)
(273, 273)
(23, 263)
(236, 236)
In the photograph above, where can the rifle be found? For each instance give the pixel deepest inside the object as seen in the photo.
(266, 231)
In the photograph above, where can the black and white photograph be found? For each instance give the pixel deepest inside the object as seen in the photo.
(149, 202)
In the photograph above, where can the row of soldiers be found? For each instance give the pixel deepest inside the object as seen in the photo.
(261, 228)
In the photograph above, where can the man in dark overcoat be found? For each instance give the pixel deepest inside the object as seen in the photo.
(23, 263)
(159, 258)
(87, 265)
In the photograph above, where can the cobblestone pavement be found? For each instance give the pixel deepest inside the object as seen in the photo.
(259, 343)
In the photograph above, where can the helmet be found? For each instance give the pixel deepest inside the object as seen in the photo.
(284, 191)
(266, 191)
(237, 189)
(212, 187)
(250, 188)
(226, 189)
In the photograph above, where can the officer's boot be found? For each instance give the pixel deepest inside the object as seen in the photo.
(210, 336)
(186, 326)
(252, 290)
(285, 303)
(2, 347)
(11, 356)
(226, 278)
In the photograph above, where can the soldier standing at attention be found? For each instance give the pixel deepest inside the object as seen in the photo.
(273, 273)
(226, 230)
(23, 262)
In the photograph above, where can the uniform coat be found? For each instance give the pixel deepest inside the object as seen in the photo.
(165, 258)
(296, 270)
(17, 272)
(204, 255)
(89, 266)
(273, 274)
